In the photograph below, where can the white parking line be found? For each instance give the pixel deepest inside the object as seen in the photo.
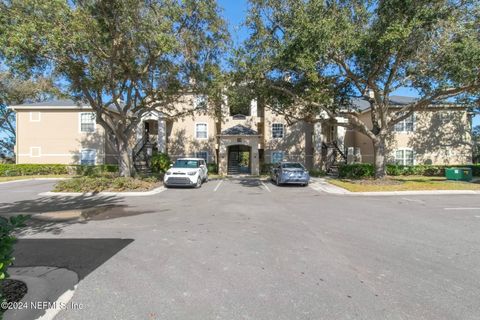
(217, 186)
(460, 208)
(268, 189)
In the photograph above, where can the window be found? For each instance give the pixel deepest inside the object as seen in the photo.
(87, 122)
(200, 102)
(406, 125)
(88, 157)
(277, 130)
(35, 116)
(277, 156)
(404, 157)
(202, 154)
(201, 131)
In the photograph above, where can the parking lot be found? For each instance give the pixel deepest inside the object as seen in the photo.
(248, 249)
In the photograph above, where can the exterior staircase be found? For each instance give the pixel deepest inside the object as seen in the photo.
(233, 167)
(335, 157)
(141, 158)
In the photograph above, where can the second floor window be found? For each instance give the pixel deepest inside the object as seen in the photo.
(87, 122)
(201, 131)
(200, 102)
(277, 130)
(406, 125)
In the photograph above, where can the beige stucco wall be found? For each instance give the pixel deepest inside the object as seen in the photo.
(296, 143)
(58, 135)
(181, 137)
(435, 139)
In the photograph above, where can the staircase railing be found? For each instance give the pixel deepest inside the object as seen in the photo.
(140, 154)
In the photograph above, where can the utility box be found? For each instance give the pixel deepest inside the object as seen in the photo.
(458, 174)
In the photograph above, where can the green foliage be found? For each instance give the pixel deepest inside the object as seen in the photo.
(427, 170)
(212, 168)
(356, 171)
(141, 51)
(306, 58)
(317, 172)
(7, 170)
(266, 168)
(7, 240)
(160, 162)
(32, 169)
(105, 183)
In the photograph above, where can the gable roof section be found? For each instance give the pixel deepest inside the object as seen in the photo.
(363, 105)
(52, 104)
(239, 130)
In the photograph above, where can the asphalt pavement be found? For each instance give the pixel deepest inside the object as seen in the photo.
(247, 249)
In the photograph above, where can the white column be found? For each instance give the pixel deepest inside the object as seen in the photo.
(162, 134)
(140, 129)
(253, 108)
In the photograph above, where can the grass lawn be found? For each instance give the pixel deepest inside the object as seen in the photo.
(5, 179)
(404, 183)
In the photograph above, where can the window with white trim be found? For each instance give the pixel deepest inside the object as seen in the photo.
(200, 102)
(201, 131)
(87, 122)
(277, 130)
(202, 154)
(88, 157)
(404, 157)
(277, 156)
(406, 125)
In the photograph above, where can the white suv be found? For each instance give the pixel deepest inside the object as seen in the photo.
(186, 172)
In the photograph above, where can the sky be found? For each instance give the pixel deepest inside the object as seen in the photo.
(235, 11)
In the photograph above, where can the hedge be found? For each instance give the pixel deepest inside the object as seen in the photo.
(212, 168)
(356, 170)
(44, 169)
(366, 170)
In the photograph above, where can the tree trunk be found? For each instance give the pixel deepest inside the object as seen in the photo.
(379, 158)
(125, 161)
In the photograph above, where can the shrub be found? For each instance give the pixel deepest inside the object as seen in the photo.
(266, 168)
(356, 171)
(160, 162)
(44, 169)
(7, 240)
(317, 172)
(98, 184)
(212, 168)
(31, 169)
(97, 170)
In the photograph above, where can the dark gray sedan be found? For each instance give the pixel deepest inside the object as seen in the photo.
(290, 172)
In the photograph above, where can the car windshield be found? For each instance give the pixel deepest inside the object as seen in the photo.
(186, 164)
(292, 165)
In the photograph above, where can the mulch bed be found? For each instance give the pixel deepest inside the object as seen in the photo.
(13, 290)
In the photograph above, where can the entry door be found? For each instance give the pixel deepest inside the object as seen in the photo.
(238, 160)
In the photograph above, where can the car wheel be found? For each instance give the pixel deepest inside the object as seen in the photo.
(199, 183)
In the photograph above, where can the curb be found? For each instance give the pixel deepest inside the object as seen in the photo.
(52, 285)
(106, 193)
(323, 185)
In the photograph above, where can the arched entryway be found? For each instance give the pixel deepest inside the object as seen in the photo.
(239, 159)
